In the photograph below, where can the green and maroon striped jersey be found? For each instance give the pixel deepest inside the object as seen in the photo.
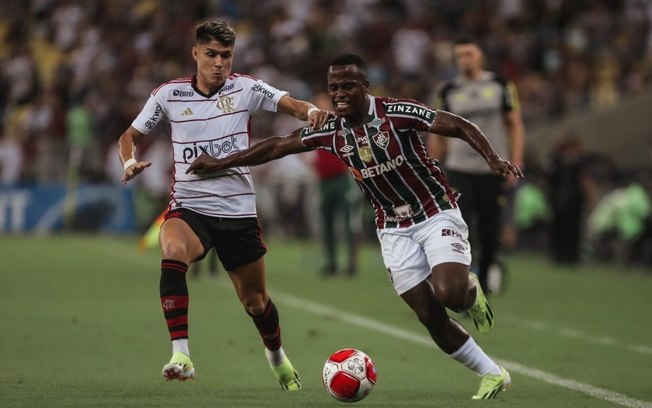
(389, 160)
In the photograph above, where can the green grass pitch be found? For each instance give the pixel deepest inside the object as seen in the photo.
(82, 327)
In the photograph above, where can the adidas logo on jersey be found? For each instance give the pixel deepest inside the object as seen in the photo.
(187, 112)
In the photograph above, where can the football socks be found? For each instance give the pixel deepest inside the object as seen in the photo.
(174, 297)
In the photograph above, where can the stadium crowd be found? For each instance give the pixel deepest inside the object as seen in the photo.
(74, 72)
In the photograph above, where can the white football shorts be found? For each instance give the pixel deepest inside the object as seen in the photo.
(411, 253)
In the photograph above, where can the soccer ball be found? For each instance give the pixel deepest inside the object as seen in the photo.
(349, 375)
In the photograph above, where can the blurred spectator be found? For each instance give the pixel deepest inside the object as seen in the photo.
(11, 161)
(620, 224)
(570, 193)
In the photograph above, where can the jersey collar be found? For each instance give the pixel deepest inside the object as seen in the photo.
(193, 82)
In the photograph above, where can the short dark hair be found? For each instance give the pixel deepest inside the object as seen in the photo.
(217, 30)
(350, 59)
(466, 40)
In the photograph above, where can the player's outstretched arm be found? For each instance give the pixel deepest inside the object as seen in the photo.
(126, 151)
(269, 149)
(451, 125)
(303, 110)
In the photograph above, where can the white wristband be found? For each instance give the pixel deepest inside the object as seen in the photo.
(311, 110)
(129, 163)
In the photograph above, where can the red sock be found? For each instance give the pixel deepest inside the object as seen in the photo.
(268, 326)
(174, 297)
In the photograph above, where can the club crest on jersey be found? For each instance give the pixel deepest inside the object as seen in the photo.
(225, 104)
(365, 153)
(381, 139)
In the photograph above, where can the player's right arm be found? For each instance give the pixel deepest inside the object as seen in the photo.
(269, 149)
(127, 152)
(151, 114)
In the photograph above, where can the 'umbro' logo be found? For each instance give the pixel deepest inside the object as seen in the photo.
(187, 112)
(347, 150)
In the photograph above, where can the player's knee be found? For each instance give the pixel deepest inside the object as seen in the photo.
(174, 250)
(254, 305)
(451, 294)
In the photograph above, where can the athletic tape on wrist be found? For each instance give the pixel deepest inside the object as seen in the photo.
(129, 163)
(311, 110)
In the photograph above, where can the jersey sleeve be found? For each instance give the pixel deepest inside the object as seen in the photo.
(511, 102)
(441, 98)
(151, 114)
(319, 138)
(263, 96)
(411, 114)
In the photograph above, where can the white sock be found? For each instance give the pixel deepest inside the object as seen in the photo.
(472, 356)
(275, 357)
(180, 345)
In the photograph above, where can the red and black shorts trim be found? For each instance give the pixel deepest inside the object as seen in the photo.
(237, 241)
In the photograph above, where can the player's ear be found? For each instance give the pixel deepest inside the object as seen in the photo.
(194, 52)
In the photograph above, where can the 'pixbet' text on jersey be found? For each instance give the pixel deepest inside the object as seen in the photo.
(214, 148)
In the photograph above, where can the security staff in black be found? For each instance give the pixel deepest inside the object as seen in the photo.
(491, 103)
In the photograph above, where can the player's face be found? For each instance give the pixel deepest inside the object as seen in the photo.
(468, 58)
(348, 89)
(214, 64)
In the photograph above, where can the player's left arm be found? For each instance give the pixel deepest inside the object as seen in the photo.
(267, 150)
(514, 128)
(515, 136)
(513, 123)
(303, 110)
(450, 125)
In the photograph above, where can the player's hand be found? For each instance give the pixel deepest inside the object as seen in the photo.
(318, 118)
(205, 163)
(504, 168)
(134, 170)
(510, 183)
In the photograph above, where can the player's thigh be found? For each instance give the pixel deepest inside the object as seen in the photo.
(444, 238)
(238, 242)
(178, 241)
(404, 259)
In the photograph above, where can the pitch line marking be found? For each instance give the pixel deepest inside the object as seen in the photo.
(574, 334)
(375, 325)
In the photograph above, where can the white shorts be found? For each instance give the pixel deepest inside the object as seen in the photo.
(411, 253)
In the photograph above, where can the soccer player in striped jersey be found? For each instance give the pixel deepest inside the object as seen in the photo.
(422, 234)
(210, 113)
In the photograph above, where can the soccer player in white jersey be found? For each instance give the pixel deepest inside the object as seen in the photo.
(209, 113)
(422, 234)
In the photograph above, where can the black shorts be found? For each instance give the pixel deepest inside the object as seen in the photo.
(237, 241)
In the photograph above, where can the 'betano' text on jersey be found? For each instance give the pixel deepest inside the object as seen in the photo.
(389, 161)
(217, 124)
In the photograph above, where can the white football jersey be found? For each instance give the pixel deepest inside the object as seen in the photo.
(217, 124)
